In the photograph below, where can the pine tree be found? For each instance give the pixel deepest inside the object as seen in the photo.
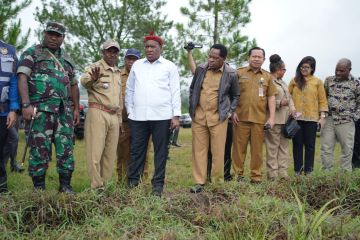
(10, 30)
(90, 22)
(217, 21)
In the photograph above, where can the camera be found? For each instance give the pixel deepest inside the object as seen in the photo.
(191, 45)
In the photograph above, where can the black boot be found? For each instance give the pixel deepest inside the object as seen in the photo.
(65, 187)
(39, 182)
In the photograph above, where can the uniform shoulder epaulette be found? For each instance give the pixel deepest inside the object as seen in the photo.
(265, 71)
(37, 49)
(241, 68)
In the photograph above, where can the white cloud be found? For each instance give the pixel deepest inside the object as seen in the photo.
(325, 29)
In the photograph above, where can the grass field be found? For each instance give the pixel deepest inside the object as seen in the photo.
(320, 206)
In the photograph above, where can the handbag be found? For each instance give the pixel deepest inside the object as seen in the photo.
(290, 128)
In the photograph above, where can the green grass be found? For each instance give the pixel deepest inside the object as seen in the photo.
(324, 205)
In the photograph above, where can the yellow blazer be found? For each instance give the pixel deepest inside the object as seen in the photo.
(311, 100)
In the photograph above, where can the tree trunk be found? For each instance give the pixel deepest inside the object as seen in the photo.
(216, 20)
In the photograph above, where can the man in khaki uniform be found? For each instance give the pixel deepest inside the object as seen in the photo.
(103, 83)
(257, 95)
(214, 95)
(123, 149)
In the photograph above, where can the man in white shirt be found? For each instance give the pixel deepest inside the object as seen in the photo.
(153, 103)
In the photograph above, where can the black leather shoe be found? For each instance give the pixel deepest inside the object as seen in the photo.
(271, 179)
(176, 145)
(197, 188)
(65, 187)
(255, 181)
(157, 190)
(39, 182)
(16, 168)
(228, 178)
(156, 193)
(240, 179)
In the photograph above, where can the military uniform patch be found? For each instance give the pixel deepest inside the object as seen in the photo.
(4, 50)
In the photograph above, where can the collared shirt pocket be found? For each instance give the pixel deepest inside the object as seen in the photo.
(244, 79)
(244, 84)
(103, 85)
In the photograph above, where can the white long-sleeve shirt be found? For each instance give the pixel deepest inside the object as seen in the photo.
(153, 90)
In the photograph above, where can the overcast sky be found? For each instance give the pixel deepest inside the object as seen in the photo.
(325, 29)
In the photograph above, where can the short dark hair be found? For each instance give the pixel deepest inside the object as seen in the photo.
(256, 48)
(222, 48)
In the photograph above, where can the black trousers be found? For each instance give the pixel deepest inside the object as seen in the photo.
(305, 137)
(3, 137)
(175, 138)
(356, 153)
(11, 146)
(227, 155)
(140, 134)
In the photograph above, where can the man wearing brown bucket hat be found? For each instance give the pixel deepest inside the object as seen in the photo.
(103, 120)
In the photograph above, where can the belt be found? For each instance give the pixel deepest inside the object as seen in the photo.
(103, 108)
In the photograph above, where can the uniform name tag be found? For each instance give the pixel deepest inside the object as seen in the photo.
(261, 91)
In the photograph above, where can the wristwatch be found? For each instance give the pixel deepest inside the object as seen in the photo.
(229, 115)
(25, 105)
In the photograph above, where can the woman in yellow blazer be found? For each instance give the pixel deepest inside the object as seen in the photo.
(309, 97)
(277, 154)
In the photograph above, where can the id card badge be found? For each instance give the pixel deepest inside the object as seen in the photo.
(261, 91)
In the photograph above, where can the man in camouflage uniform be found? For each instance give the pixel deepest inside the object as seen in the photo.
(343, 95)
(47, 82)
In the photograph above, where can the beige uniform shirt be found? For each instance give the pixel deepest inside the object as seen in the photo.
(206, 112)
(282, 112)
(255, 88)
(107, 89)
(311, 100)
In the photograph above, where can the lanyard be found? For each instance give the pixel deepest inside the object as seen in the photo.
(57, 62)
